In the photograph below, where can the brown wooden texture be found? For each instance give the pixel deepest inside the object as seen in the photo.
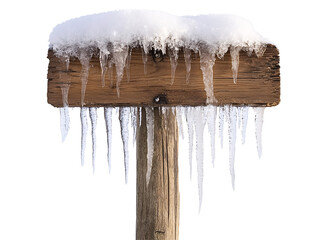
(258, 82)
(157, 204)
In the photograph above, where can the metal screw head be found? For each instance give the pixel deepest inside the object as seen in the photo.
(157, 55)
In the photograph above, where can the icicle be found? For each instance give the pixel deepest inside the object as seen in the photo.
(188, 63)
(124, 113)
(234, 53)
(239, 118)
(221, 125)
(179, 114)
(119, 58)
(259, 119)
(128, 64)
(84, 58)
(108, 124)
(104, 54)
(260, 49)
(140, 116)
(173, 56)
(244, 121)
(211, 120)
(93, 118)
(84, 126)
(200, 120)
(133, 122)
(165, 113)
(64, 112)
(145, 59)
(110, 70)
(232, 122)
(207, 61)
(150, 141)
(189, 115)
(64, 122)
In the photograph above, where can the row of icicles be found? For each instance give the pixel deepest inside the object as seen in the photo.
(120, 57)
(195, 118)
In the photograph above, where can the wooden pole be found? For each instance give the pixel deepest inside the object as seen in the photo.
(157, 204)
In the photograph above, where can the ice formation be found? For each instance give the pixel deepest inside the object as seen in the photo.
(111, 36)
(93, 118)
(124, 122)
(199, 122)
(188, 63)
(189, 115)
(108, 125)
(259, 118)
(211, 119)
(231, 115)
(84, 127)
(150, 140)
(64, 122)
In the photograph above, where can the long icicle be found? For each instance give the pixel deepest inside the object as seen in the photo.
(64, 112)
(93, 118)
(232, 122)
(84, 58)
(150, 141)
(189, 115)
(211, 120)
(259, 119)
(84, 129)
(124, 113)
(108, 125)
(200, 121)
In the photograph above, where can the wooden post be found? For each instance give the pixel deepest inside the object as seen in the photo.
(157, 204)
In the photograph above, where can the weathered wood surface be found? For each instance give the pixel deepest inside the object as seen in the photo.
(157, 205)
(258, 82)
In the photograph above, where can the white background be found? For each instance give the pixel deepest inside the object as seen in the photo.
(46, 194)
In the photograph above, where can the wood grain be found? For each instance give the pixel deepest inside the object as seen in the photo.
(258, 82)
(157, 205)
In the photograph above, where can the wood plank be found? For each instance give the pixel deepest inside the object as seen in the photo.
(157, 204)
(258, 82)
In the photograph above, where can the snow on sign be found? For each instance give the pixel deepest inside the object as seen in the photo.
(194, 69)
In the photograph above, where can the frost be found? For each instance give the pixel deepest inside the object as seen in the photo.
(259, 119)
(188, 63)
(200, 120)
(211, 120)
(108, 125)
(93, 118)
(84, 127)
(234, 53)
(124, 113)
(150, 141)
